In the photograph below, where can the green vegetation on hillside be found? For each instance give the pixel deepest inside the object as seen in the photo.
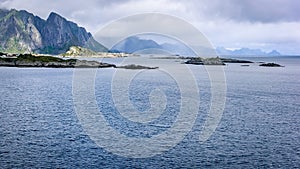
(14, 46)
(79, 51)
(46, 59)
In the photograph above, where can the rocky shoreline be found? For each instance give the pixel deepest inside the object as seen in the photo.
(29, 60)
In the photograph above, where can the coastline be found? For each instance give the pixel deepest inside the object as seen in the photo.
(29, 60)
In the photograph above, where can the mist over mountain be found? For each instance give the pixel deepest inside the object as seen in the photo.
(135, 44)
(178, 49)
(22, 31)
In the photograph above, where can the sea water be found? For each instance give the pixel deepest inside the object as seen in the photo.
(259, 127)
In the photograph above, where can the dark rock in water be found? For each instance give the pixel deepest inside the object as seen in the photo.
(28, 60)
(213, 61)
(133, 66)
(271, 65)
(195, 61)
(90, 64)
(205, 61)
(228, 60)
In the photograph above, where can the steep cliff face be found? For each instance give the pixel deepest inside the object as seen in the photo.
(23, 32)
(19, 31)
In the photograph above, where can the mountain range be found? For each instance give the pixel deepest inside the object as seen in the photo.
(245, 52)
(135, 44)
(22, 31)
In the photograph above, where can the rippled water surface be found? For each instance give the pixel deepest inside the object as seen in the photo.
(259, 127)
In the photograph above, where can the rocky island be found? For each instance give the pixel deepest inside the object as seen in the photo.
(214, 61)
(205, 61)
(29, 60)
(229, 60)
(271, 65)
(133, 66)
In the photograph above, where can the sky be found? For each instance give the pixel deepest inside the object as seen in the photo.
(233, 24)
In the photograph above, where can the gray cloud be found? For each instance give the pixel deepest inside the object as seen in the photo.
(265, 24)
(253, 11)
(240, 11)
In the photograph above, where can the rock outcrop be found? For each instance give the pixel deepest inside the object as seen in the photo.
(28, 60)
(205, 61)
(133, 66)
(228, 60)
(271, 65)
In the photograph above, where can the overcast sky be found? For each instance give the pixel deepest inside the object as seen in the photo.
(264, 24)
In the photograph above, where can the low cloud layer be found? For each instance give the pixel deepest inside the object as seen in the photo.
(265, 11)
(265, 24)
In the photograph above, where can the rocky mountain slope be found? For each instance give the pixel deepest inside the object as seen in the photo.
(134, 44)
(21, 32)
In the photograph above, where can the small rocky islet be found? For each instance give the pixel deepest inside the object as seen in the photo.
(213, 61)
(271, 65)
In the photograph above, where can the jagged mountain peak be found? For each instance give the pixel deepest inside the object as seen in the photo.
(22, 31)
(54, 17)
(53, 14)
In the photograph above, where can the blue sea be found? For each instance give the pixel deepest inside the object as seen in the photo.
(259, 127)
